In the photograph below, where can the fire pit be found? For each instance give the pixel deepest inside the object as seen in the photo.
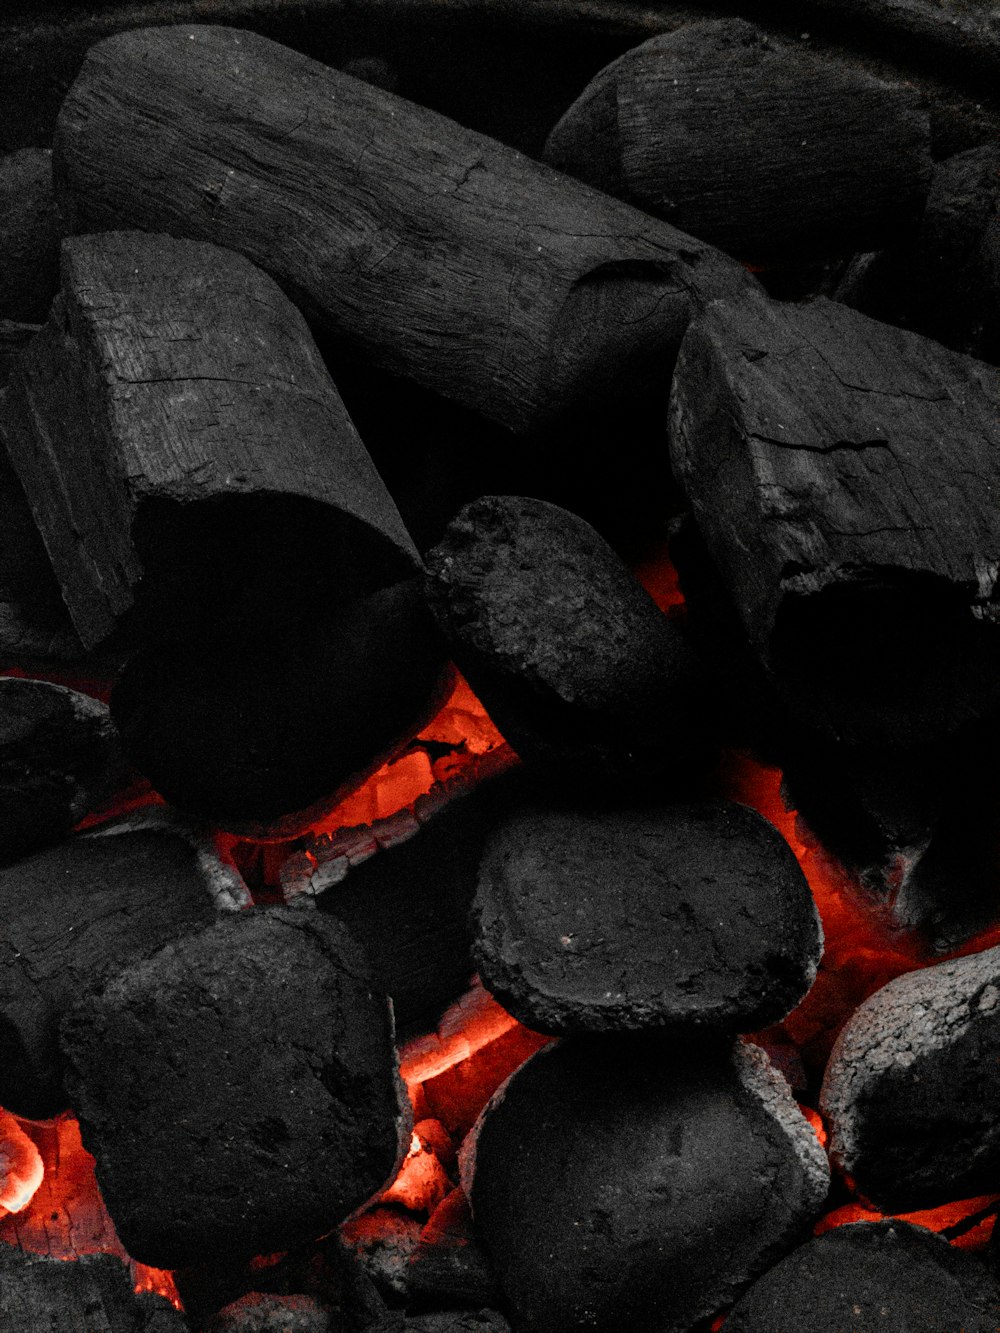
(499, 629)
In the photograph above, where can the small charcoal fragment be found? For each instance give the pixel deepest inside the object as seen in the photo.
(258, 1312)
(243, 1077)
(450, 1266)
(912, 1087)
(571, 657)
(29, 236)
(872, 1277)
(609, 920)
(59, 758)
(764, 149)
(638, 1183)
(383, 1240)
(91, 1294)
(71, 916)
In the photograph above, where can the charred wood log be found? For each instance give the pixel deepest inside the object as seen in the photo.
(841, 474)
(245, 1079)
(29, 236)
(59, 759)
(443, 255)
(755, 146)
(868, 1276)
(715, 927)
(143, 421)
(571, 657)
(94, 1292)
(74, 914)
(911, 1088)
(604, 1165)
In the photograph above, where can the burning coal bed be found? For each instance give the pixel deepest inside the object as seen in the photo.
(643, 976)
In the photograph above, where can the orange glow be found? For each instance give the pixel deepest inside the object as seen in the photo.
(943, 1218)
(656, 573)
(422, 1182)
(816, 1121)
(21, 1168)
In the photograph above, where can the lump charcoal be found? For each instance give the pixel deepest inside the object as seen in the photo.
(911, 1089)
(840, 471)
(764, 149)
(945, 281)
(570, 656)
(244, 1078)
(252, 721)
(610, 920)
(59, 759)
(536, 292)
(259, 1312)
(624, 1182)
(383, 1240)
(871, 1277)
(29, 236)
(142, 424)
(92, 1294)
(446, 1321)
(72, 915)
(450, 1265)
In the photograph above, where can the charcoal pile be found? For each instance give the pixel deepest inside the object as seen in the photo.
(499, 708)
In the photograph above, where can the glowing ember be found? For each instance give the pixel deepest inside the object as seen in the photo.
(422, 1182)
(21, 1168)
(970, 1220)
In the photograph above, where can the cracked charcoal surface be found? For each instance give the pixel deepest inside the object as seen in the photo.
(913, 1085)
(245, 1078)
(571, 657)
(71, 915)
(872, 1277)
(758, 147)
(92, 1294)
(59, 758)
(636, 1182)
(29, 236)
(165, 377)
(840, 472)
(607, 920)
(536, 294)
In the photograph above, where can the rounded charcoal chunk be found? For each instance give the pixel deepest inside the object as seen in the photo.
(243, 1077)
(872, 1277)
(638, 1183)
(258, 1312)
(573, 660)
(911, 1090)
(605, 920)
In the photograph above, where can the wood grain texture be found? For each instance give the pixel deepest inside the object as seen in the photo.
(753, 145)
(844, 475)
(173, 373)
(441, 254)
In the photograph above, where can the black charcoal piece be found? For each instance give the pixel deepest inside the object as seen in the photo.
(245, 1079)
(29, 236)
(173, 424)
(260, 717)
(610, 920)
(76, 913)
(450, 1266)
(440, 254)
(92, 1294)
(639, 1183)
(259, 1312)
(59, 759)
(446, 1321)
(761, 148)
(383, 1239)
(573, 660)
(911, 1091)
(872, 1277)
(840, 472)
(945, 281)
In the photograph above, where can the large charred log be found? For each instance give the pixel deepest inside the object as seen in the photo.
(758, 147)
(245, 1079)
(445, 256)
(840, 473)
(143, 423)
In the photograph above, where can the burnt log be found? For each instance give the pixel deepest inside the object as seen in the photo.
(615, 920)
(243, 1077)
(840, 472)
(256, 720)
(92, 1293)
(29, 236)
(74, 914)
(868, 1277)
(142, 423)
(443, 255)
(910, 1092)
(59, 760)
(571, 657)
(945, 281)
(637, 1183)
(758, 147)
